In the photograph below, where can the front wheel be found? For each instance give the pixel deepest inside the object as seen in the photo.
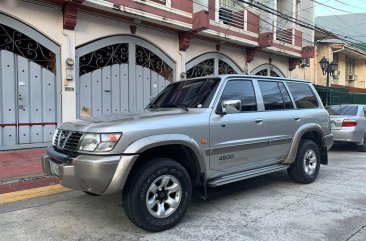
(305, 169)
(158, 195)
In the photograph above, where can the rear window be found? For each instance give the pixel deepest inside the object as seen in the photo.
(303, 95)
(342, 110)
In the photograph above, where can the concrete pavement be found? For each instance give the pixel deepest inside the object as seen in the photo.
(270, 207)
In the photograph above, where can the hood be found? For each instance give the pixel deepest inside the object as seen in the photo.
(112, 121)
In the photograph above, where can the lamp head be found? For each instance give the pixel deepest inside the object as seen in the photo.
(324, 64)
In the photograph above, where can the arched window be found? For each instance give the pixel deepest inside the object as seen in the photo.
(267, 70)
(211, 64)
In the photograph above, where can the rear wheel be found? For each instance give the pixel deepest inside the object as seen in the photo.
(305, 169)
(362, 147)
(158, 195)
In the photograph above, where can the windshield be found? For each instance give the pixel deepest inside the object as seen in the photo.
(342, 110)
(195, 93)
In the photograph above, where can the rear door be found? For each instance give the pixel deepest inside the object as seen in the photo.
(281, 118)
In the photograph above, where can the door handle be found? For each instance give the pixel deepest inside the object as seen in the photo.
(297, 118)
(258, 121)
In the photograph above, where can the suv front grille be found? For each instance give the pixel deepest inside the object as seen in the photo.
(67, 140)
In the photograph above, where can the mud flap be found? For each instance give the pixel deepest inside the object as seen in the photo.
(324, 156)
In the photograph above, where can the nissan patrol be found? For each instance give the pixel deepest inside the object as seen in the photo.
(197, 133)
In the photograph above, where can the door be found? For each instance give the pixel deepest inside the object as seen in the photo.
(281, 118)
(28, 109)
(120, 74)
(237, 140)
(28, 86)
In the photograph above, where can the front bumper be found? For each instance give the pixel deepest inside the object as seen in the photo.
(92, 173)
(328, 141)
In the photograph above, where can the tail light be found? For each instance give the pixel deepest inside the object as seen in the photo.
(349, 123)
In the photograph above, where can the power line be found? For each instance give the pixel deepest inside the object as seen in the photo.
(325, 5)
(301, 23)
(347, 4)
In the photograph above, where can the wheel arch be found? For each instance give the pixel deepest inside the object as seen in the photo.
(312, 132)
(180, 148)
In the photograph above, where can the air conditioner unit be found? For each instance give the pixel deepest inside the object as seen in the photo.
(305, 63)
(226, 15)
(352, 77)
(336, 74)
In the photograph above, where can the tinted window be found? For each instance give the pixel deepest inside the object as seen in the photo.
(342, 110)
(191, 93)
(303, 95)
(286, 97)
(272, 96)
(240, 90)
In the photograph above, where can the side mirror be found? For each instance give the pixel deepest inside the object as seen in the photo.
(230, 106)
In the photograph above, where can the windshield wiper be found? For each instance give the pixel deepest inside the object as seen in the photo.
(177, 106)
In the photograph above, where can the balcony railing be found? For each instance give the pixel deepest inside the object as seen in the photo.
(162, 2)
(284, 35)
(232, 15)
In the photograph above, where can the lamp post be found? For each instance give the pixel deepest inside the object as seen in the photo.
(327, 69)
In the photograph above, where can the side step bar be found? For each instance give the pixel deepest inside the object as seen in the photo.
(244, 175)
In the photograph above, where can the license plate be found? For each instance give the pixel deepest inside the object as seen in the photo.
(54, 168)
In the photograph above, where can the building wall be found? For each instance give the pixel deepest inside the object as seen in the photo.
(199, 47)
(308, 17)
(267, 58)
(361, 73)
(305, 72)
(49, 21)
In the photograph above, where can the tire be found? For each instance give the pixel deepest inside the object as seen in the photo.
(306, 167)
(362, 148)
(151, 184)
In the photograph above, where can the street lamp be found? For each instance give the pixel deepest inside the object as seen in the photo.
(327, 69)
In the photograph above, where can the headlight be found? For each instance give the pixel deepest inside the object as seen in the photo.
(99, 142)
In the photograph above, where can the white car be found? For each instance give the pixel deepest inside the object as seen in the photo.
(348, 123)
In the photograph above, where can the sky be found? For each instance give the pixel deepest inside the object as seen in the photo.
(347, 6)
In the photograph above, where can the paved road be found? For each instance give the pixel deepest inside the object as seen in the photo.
(264, 208)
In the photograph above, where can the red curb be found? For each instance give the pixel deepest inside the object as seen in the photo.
(28, 184)
(20, 163)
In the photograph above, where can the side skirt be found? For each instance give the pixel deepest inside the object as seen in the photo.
(245, 175)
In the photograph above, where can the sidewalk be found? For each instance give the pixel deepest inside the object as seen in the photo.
(21, 169)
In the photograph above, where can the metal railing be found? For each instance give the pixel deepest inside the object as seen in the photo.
(162, 2)
(284, 35)
(231, 13)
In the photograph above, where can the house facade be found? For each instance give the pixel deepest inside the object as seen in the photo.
(348, 83)
(65, 59)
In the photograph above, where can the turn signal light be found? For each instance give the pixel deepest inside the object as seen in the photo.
(349, 123)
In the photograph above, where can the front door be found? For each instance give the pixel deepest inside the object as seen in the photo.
(28, 101)
(236, 139)
(28, 86)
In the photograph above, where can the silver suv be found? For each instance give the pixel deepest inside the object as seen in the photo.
(197, 133)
